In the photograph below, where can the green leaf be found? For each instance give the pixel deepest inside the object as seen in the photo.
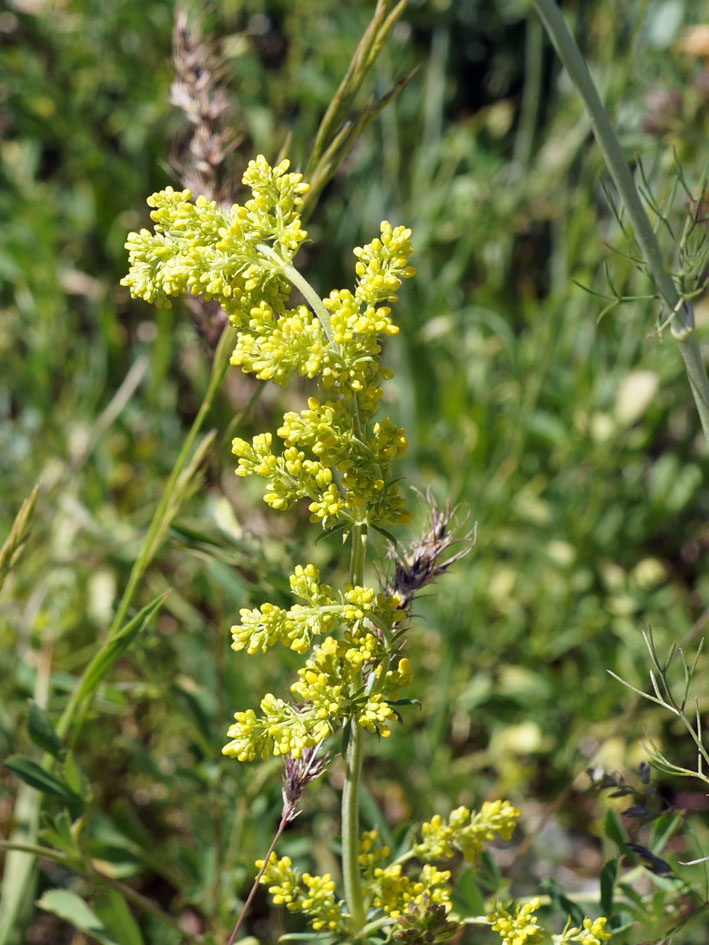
(636, 899)
(663, 829)
(609, 874)
(19, 533)
(42, 732)
(561, 902)
(114, 648)
(115, 914)
(489, 872)
(74, 776)
(614, 829)
(467, 897)
(71, 908)
(346, 733)
(58, 834)
(34, 775)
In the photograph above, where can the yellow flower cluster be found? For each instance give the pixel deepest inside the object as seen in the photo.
(200, 249)
(242, 257)
(519, 927)
(261, 627)
(465, 832)
(276, 345)
(392, 891)
(314, 896)
(282, 729)
(592, 932)
(371, 854)
(383, 263)
(290, 477)
(365, 492)
(329, 690)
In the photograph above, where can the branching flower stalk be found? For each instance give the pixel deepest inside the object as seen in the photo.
(337, 456)
(678, 309)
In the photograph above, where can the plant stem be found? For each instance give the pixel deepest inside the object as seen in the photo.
(305, 288)
(254, 887)
(681, 314)
(531, 93)
(353, 770)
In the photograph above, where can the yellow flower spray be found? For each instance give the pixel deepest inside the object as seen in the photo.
(336, 456)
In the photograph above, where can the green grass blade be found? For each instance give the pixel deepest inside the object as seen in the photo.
(102, 662)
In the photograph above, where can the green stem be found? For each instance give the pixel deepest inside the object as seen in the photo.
(255, 884)
(353, 769)
(681, 314)
(307, 291)
(533, 53)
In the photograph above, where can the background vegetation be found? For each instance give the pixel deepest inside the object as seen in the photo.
(573, 441)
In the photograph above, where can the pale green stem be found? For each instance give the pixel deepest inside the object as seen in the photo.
(307, 291)
(681, 314)
(531, 93)
(353, 769)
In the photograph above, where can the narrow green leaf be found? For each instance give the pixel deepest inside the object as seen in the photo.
(614, 829)
(609, 874)
(637, 900)
(114, 648)
(58, 834)
(33, 774)
(562, 902)
(71, 908)
(42, 732)
(467, 897)
(322, 937)
(346, 733)
(19, 533)
(74, 776)
(663, 829)
(489, 872)
(113, 911)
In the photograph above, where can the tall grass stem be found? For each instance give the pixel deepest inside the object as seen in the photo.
(681, 314)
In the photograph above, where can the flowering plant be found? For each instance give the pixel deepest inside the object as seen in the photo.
(337, 455)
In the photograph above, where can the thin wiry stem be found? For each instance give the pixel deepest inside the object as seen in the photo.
(254, 887)
(298, 774)
(681, 313)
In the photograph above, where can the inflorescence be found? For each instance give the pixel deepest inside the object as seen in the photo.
(336, 456)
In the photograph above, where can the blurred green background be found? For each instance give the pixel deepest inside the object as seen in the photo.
(573, 443)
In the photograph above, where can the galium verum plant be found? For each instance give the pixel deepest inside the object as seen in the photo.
(337, 456)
